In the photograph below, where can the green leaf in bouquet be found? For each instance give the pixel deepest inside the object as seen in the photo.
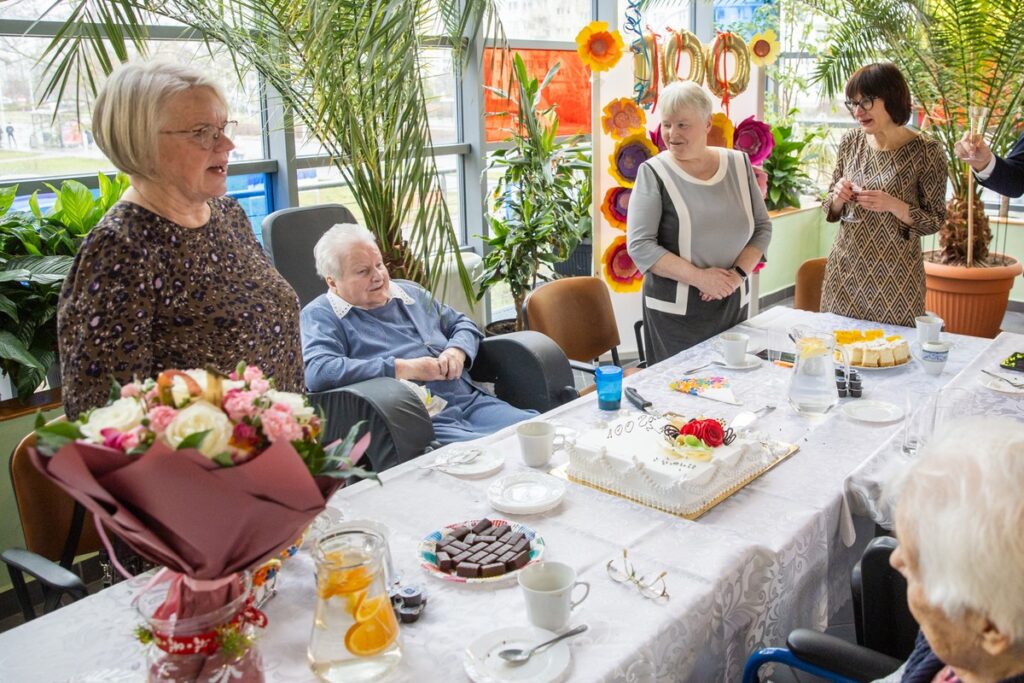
(224, 459)
(50, 438)
(115, 390)
(193, 440)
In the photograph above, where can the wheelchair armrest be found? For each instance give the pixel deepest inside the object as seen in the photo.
(588, 368)
(55, 579)
(528, 370)
(846, 659)
(398, 421)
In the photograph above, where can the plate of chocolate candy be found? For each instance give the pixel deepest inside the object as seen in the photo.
(480, 551)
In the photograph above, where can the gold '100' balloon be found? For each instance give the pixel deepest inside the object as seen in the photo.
(679, 43)
(720, 79)
(645, 70)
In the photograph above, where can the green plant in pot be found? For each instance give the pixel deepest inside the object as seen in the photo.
(955, 54)
(785, 167)
(540, 205)
(36, 252)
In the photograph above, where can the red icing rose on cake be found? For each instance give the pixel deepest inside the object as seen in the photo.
(707, 430)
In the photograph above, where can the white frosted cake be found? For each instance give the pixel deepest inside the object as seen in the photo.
(633, 458)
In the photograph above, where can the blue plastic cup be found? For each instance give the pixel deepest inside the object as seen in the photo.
(609, 387)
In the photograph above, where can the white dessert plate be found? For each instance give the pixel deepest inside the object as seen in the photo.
(483, 665)
(871, 369)
(526, 493)
(1000, 386)
(750, 361)
(428, 548)
(484, 465)
(872, 411)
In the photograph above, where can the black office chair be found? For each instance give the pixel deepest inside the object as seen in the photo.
(885, 628)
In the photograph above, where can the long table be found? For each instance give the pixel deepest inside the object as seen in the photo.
(774, 556)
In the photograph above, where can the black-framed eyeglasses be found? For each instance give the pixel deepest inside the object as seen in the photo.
(624, 572)
(864, 103)
(208, 135)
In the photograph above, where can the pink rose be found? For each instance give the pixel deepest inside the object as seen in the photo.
(755, 138)
(252, 372)
(131, 391)
(239, 403)
(122, 441)
(160, 417)
(278, 424)
(762, 181)
(260, 386)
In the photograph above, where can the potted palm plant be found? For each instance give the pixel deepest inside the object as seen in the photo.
(955, 55)
(540, 208)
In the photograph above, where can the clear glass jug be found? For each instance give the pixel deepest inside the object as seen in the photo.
(355, 632)
(812, 387)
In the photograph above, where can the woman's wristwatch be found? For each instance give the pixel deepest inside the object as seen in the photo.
(739, 271)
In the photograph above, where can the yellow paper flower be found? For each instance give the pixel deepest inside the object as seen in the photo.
(599, 48)
(764, 48)
(629, 153)
(622, 117)
(620, 272)
(722, 131)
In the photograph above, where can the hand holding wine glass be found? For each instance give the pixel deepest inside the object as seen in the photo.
(853, 185)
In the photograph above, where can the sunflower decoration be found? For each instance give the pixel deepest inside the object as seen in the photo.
(629, 153)
(622, 117)
(620, 272)
(599, 48)
(722, 131)
(615, 206)
(764, 48)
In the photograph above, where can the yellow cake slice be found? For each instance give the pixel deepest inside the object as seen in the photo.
(870, 359)
(885, 357)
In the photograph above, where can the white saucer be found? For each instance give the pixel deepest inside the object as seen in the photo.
(872, 411)
(526, 493)
(483, 665)
(1000, 386)
(750, 362)
(489, 462)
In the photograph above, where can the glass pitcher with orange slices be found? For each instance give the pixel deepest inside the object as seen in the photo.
(355, 633)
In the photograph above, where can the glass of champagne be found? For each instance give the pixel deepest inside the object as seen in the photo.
(977, 121)
(850, 208)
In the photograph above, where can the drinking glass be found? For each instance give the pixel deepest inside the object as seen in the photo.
(918, 420)
(977, 124)
(850, 208)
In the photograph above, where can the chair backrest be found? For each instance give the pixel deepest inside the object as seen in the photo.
(46, 511)
(289, 236)
(881, 615)
(577, 313)
(809, 279)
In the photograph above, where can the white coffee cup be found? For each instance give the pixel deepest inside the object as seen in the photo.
(733, 347)
(537, 442)
(548, 587)
(928, 328)
(934, 355)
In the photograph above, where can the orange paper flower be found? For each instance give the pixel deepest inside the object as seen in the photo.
(599, 48)
(620, 272)
(615, 205)
(622, 117)
(722, 131)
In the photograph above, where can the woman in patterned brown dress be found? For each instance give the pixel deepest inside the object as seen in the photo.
(896, 180)
(172, 276)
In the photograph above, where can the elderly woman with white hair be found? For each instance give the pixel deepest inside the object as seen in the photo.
(697, 227)
(368, 326)
(960, 523)
(172, 276)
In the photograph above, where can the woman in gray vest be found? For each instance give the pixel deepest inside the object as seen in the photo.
(696, 227)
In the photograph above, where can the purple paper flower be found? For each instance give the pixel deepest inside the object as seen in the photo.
(755, 138)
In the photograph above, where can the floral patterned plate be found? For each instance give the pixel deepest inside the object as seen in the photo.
(428, 558)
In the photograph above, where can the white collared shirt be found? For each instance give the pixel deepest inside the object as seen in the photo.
(984, 173)
(342, 307)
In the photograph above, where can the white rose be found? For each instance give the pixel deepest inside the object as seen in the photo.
(123, 415)
(180, 393)
(301, 410)
(201, 416)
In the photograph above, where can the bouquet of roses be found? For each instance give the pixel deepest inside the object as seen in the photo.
(205, 474)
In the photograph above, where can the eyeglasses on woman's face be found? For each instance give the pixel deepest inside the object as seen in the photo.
(208, 135)
(865, 103)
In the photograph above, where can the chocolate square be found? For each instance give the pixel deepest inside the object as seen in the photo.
(476, 547)
(514, 538)
(520, 544)
(444, 562)
(476, 557)
(481, 525)
(469, 570)
(488, 559)
(493, 547)
(500, 531)
(459, 532)
(519, 561)
(487, 538)
(461, 545)
(470, 538)
(496, 569)
(461, 557)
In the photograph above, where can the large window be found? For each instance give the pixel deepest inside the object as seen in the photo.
(548, 21)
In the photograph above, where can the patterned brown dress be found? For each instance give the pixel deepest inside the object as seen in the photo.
(875, 269)
(145, 294)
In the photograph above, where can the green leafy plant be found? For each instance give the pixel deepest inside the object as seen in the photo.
(786, 167)
(954, 54)
(36, 252)
(540, 206)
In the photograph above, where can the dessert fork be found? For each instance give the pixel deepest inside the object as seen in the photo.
(709, 364)
(1015, 385)
(457, 458)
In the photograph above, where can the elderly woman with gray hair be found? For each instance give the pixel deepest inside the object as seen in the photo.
(959, 517)
(172, 276)
(367, 326)
(697, 226)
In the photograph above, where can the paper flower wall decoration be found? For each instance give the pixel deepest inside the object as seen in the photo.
(656, 138)
(599, 48)
(622, 118)
(764, 48)
(620, 272)
(615, 206)
(755, 138)
(629, 153)
(721, 133)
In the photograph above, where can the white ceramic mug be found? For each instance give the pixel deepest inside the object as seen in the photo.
(934, 355)
(928, 328)
(548, 588)
(733, 347)
(537, 441)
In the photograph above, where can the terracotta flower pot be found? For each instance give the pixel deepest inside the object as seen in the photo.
(971, 300)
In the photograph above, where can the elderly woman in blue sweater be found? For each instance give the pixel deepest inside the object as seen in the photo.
(367, 326)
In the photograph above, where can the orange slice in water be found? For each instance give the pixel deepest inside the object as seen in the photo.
(342, 581)
(375, 628)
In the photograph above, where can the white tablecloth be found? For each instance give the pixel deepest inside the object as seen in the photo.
(767, 560)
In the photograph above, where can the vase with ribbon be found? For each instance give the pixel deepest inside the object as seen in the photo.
(200, 631)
